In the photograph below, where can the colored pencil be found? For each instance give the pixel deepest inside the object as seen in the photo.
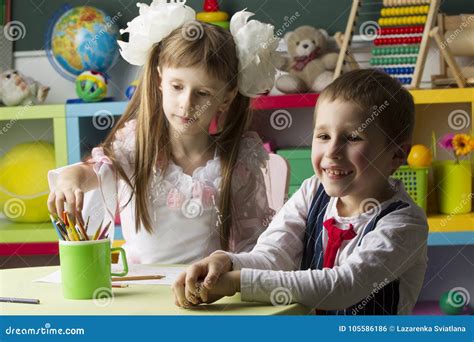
(147, 277)
(80, 226)
(102, 234)
(19, 300)
(120, 286)
(60, 233)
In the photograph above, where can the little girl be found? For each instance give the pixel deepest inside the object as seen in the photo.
(182, 192)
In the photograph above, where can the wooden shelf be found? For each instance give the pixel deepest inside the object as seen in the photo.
(11, 232)
(54, 112)
(440, 223)
(89, 109)
(32, 112)
(308, 100)
(446, 230)
(439, 96)
(284, 101)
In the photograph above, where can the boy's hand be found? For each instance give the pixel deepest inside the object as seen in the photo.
(205, 272)
(227, 285)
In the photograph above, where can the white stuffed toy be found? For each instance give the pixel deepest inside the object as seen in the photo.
(17, 89)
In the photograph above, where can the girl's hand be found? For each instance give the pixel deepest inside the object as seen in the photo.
(70, 187)
(69, 193)
(204, 273)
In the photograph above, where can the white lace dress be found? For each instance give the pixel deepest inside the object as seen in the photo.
(183, 208)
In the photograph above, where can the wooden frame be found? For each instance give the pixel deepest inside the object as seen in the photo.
(421, 59)
(448, 64)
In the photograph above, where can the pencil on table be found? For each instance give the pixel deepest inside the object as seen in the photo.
(19, 300)
(146, 277)
(120, 286)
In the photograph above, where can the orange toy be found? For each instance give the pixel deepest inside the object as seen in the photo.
(419, 156)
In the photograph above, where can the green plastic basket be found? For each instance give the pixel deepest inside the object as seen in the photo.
(415, 180)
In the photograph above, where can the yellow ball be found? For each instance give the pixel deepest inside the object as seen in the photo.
(24, 181)
(419, 156)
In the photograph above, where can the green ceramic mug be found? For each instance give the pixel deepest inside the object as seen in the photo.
(86, 268)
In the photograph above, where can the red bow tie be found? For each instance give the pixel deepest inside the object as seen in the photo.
(335, 238)
(300, 62)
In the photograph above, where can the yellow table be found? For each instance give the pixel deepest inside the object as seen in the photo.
(133, 300)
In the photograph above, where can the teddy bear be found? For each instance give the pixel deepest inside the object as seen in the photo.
(308, 63)
(17, 89)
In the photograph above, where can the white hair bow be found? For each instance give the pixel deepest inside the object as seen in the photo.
(255, 41)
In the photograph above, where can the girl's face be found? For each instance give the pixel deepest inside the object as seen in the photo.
(191, 98)
(350, 156)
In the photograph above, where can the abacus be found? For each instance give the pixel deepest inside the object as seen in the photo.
(401, 41)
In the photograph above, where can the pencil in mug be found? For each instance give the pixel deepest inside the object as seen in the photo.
(97, 232)
(58, 230)
(104, 231)
(61, 226)
(80, 225)
(73, 231)
(70, 222)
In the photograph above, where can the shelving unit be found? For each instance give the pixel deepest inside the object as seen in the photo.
(55, 113)
(70, 124)
(78, 124)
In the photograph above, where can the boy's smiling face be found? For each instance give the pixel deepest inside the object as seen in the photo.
(351, 162)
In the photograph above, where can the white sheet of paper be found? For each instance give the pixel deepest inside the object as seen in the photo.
(170, 273)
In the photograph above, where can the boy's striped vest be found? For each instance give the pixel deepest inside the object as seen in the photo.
(383, 300)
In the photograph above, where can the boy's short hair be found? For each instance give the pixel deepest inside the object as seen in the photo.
(382, 97)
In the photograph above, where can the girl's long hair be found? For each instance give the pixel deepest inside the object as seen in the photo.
(215, 51)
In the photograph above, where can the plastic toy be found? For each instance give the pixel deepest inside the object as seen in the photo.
(213, 15)
(420, 156)
(91, 86)
(452, 302)
(131, 89)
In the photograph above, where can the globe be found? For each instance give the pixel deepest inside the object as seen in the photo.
(82, 38)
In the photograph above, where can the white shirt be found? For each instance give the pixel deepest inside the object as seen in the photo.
(183, 208)
(395, 249)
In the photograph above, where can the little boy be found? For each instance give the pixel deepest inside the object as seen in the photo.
(350, 241)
